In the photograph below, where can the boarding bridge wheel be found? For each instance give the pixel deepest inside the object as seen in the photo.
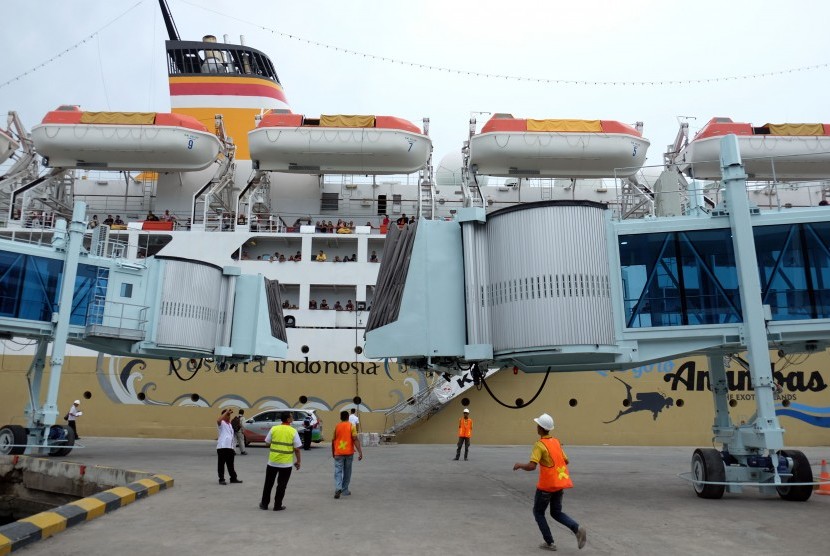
(13, 440)
(707, 467)
(801, 473)
(61, 440)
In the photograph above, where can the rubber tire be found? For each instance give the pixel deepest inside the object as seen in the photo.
(13, 434)
(66, 447)
(802, 473)
(707, 465)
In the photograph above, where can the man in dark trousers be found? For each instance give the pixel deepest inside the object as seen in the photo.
(554, 478)
(285, 443)
(465, 432)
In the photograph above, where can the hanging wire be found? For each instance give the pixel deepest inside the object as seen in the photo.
(71, 48)
(430, 67)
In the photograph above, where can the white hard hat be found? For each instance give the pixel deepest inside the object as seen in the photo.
(77, 402)
(545, 421)
(466, 410)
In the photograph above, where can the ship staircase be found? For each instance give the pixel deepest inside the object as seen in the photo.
(426, 402)
(50, 192)
(426, 181)
(254, 201)
(215, 200)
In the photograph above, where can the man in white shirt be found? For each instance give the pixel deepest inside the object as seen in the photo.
(224, 447)
(72, 415)
(354, 419)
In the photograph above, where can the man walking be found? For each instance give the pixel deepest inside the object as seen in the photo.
(553, 480)
(465, 432)
(72, 416)
(285, 446)
(236, 423)
(343, 445)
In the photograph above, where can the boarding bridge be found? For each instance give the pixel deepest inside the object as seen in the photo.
(163, 308)
(560, 286)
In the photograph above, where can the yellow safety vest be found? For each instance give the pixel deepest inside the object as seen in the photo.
(282, 444)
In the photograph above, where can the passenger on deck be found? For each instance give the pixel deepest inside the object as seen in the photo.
(402, 221)
(312, 304)
(349, 305)
(150, 217)
(354, 258)
(275, 257)
(108, 220)
(324, 304)
(282, 258)
(321, 257)
(373, 258)
(94, 222)
(119, 222)
(286, 304)
(412, 219)
(167, 217)
(344, 229)
(298, 257)
(337, 306)
(337, 259)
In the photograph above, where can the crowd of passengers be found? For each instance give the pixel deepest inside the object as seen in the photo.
(312, 304)
(297, 257)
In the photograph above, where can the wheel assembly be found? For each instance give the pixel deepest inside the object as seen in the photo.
(707, 466)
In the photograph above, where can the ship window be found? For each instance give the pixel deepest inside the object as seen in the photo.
(330, 201)
(126, 290)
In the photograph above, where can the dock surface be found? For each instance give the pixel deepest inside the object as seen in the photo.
(414, 499)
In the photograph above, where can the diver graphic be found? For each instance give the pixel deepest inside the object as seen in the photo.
(646, 401)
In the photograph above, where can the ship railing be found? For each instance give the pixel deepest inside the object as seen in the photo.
(406, 413)
(114, 319)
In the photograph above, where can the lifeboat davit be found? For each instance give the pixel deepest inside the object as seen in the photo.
(141, 141)
(7, 146)
(509, 146)
(338, 144)
(772, 151)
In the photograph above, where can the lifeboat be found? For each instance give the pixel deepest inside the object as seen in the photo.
(141, 141)
(508, 146)
(338, 144)
(7, 146)
(772, 151)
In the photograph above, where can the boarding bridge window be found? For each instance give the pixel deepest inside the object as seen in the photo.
(330, 202)
(794, 266)
(30, 287)
(679, 279)
(126, 290)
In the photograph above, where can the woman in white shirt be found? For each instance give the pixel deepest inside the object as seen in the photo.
(224, 447)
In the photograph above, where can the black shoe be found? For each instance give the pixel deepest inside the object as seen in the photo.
(237, 481)
(455, 458)
(263, 506)
(222, 482)
(243, 453)
(465, 459)
(337, 493)
(279, 509)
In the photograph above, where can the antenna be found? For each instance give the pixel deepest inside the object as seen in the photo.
(168, 21)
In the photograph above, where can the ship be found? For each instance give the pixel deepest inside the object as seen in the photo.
(230, 175)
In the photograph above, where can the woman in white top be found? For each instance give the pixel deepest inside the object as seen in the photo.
(224, 447)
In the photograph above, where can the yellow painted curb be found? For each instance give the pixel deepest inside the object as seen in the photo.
(48, 522)
(126, 495)
(94, 507)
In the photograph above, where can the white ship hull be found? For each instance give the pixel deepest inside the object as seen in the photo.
(339, 150)
(557, 155)
(765, 157)
(125, 147)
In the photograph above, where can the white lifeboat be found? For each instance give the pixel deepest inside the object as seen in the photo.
(338, 144)
(7, 146)
(142, 141)
(772, 151)
(513, 147)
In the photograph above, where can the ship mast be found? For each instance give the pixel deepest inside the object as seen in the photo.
(168, 21)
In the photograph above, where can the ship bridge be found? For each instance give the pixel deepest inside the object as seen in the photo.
(560, 286)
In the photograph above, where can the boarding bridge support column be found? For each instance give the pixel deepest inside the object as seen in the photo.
(766, 434)
(70, 271)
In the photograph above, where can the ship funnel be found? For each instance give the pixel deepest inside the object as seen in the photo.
(209, 38)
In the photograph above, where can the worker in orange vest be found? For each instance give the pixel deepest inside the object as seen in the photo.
(554, 478)
(465, 431)
(343, 445)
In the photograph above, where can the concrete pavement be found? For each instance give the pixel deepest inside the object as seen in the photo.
(413, 499)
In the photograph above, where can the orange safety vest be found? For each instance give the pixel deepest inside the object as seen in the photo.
(343, 441)
(465, 428)
(555, 477)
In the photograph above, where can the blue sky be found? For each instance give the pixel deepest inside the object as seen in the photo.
(123, 67)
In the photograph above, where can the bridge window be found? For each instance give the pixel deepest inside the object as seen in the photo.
(679, 278)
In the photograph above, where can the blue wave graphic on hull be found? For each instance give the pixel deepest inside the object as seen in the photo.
(814, 420)
(810, 408)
